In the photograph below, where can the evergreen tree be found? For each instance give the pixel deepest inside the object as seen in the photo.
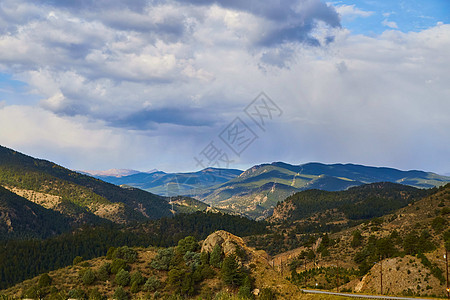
(152, 284)
(231, 273)
(216, 256)
(189, 243)
(45, 280)
(137, 277)
(357, 239)
(134, 287)
(120, 294)
(123, 278)
(103, 272)
(118, 264)
(88, 277)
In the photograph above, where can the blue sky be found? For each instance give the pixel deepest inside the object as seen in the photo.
(405, 16)
(152, 84)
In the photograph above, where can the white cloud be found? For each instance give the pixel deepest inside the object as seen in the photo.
(390, 24)
(352, 12)
(180, 72)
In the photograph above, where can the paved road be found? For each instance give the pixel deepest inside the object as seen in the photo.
(362, 296)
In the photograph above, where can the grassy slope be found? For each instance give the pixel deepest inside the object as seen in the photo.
(401, 274)
(93, 195)
(24, 219)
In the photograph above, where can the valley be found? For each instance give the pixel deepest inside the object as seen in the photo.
(263, 233)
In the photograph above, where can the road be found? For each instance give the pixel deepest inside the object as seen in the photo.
(362, 296)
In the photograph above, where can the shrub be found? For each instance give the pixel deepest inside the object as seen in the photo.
(44, 280)
(267, 294)
(77, 294)
(134, 287)
(109, 254)
(95, 294)
(123, 278)
(189, 243)
(118, 264)
(152, 284)
(77, 260)
(125, 253)
(439, 224)
(103, 272)
(88, 277)
(163, 259)
(120, 294)
(357, 239)
(137, 277)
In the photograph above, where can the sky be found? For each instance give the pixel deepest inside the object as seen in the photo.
(181, 85)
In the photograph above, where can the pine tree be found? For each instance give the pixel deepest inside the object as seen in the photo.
(231, 273)
(123, 278)
(216, 256)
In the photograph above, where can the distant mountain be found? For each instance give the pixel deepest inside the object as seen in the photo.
(79, 197)
(112, 172)
(173, 184)
(257, 190)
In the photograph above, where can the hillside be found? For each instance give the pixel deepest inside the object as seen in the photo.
(361, 202)
(219, 266)
(22, 259)
(80, 197)
(407, 245)
(25, 219)
(257, 190)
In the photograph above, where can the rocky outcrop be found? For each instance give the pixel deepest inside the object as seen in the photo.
(282, 211)
(229, 242)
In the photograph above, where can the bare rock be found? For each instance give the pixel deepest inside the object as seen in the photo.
(229, 242)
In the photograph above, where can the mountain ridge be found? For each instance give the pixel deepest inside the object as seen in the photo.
(79, 197)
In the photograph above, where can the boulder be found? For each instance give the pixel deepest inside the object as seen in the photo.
(229, 242)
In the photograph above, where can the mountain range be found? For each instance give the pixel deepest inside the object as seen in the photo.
(34, 190)
(315, 215)
(256, 191)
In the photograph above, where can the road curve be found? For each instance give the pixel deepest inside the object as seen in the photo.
(362, 296)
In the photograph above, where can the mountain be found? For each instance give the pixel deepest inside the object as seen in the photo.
(25, 219)
(80, 197)
(406, 245)
(357, 203)
(173, 184)
(257, 190)
(112, 172)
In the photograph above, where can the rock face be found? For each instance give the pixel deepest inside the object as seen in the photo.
(229, 242)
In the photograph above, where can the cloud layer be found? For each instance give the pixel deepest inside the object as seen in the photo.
(148, 84)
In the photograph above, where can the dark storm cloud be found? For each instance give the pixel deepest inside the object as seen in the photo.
(149, 119)
(294, 20)
(135, 5)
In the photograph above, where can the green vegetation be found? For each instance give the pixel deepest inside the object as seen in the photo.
(358, 203)
(80, 195)
(25, 259)
(27, 219)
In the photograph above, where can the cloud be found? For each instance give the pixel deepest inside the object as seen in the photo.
(390, 24)
(351, 12)
(109, 60)
(129, 84)
(178, 116)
